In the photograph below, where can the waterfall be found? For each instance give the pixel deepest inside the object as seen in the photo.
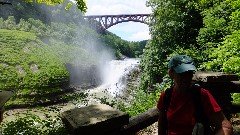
(115, 77)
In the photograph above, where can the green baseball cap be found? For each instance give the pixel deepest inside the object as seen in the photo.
(181, 63)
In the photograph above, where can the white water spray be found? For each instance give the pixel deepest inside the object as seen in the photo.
(115, 77)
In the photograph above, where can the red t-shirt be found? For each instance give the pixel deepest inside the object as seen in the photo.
(180, 114)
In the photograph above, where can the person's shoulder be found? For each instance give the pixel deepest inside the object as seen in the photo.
(168, 91)
(204, 91)
(199, 87)
(163, 93)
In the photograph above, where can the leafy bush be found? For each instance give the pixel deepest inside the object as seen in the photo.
(29, 124)
(226, 56)
(141, 102)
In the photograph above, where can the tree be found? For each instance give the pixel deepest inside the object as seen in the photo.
(216, 19)
(81, 4)
(10, 23)
(220, 36)
(174, 23)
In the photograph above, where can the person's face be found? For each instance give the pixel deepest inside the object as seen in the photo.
(183, 80)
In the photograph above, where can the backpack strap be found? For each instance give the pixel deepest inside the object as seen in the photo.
(167, 98)
(197, 102)
(166, 103)
(200, 115)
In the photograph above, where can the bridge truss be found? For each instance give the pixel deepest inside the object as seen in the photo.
(103, 22)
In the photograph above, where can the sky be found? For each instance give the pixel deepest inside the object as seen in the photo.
(130, 31)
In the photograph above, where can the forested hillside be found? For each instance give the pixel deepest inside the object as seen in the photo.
(23, 11)
(43, 47)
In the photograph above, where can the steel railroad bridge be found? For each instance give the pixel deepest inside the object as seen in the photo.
(103, 22)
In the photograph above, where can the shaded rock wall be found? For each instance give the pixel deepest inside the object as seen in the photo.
(83, 75)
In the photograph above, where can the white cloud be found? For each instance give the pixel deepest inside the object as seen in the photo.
(116, 7)
(143, 35)
(130, 26)
(131, 31)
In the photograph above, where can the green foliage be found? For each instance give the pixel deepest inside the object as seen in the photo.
(105, 100)
(141, 102)
(205, 4)
(236, 98)
(47, 14)
(210, 37)
(174, 24)
(81, 4)
(10, 23)
(215, 21)
(219, 37)
(40, 121)
(20, 59)
(29, 124)
(150, 64)
(235, 19)
(226, 56)
(122, 47)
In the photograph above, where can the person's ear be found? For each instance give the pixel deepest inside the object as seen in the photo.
(170, 73)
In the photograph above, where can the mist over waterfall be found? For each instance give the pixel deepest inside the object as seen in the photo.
(115, 77)
(116, 72)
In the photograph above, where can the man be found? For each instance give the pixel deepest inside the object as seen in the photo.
(179, 118)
